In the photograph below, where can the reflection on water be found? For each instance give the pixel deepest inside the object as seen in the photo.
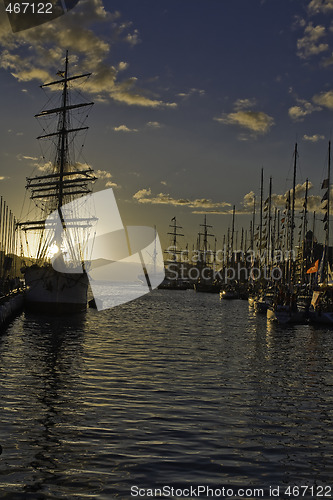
(175, 388)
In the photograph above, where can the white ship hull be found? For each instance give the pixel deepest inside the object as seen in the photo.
(53, 292)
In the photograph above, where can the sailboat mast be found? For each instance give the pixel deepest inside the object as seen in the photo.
(261, 202)
(174, 235)
(305, 226)
(63, 136)
(205, 243)
(269, 240)
(252, 224)
(233, 232)
(327, 243)
(293, 217)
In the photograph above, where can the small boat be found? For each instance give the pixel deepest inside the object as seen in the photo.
(321, 307)
(285, 314)
(229, 294)
(174, 284)
(262, 303)
(207, 286)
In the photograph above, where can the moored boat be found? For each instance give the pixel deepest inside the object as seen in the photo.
(229, 293)
(63, 180)
(321, 307)
(285, 314)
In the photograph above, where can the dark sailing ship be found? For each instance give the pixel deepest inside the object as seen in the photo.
(63, 181)
(175, 263)
(207, 282)
(321, 308)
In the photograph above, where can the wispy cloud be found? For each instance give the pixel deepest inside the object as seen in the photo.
(279, 200)
(112, 184)
(191, 92)
(324, 99)
(314, 201)
(104, 175)
(257, 122)
(21, 157)
(304, 108)
(310, 44)
(245, 103)
(145, 196)
(320, 6)
(327, 61)
(248, 201)
(313, 138)
(124, 128)
(154, 124)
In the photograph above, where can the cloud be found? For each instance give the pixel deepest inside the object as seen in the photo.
(313, 138)
(145, 196)
(214, 212)
(102, 175)
(23, 157)
(309, 44)
(89, 52)
(248, 201)
(327, 61)
(314, 202)
(112, 184)
(279, 200)
(124, 128)
(256, 121)
(45, 167)
(324, 99)
(191, 92)
(142, 194)
(244, 103)
(320, 6)
(154, 125)
(298, 113)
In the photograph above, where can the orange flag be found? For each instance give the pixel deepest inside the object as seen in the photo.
(314, 268)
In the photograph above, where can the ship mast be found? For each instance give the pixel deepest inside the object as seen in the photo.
(292, 225)
(64, 183)
(63, 138)
(205, 235)
(327, 225)
(66, 180)
(174, 235)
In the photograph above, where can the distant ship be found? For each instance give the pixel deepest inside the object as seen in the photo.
(63, 180)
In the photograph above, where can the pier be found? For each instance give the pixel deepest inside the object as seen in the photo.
(11, 285)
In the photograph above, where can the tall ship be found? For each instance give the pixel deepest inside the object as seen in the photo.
(56, 278)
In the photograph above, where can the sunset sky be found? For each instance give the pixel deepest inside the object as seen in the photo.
(192, 98)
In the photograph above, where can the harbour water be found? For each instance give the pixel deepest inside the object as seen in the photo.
(175, 389)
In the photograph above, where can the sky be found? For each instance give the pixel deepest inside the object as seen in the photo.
(192, 99)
